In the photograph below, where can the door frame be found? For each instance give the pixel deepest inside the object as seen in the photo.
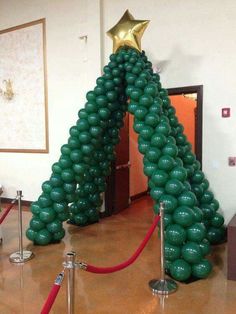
(198, 89)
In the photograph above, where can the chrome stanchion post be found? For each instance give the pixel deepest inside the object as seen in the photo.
(70, 265)
(162, 286)
(21, 256)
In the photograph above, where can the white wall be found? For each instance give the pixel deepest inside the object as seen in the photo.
(72, 67)
(193, 41)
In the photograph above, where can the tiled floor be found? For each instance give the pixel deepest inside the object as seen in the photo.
(24, 288)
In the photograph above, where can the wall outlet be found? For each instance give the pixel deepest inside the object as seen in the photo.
(232, 161)
(225, 112)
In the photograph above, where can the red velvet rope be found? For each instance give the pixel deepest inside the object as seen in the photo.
(107, 270)
(4, 215)
(52, 294)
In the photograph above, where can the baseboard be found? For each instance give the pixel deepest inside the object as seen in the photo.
(9, 200)
(136, 196)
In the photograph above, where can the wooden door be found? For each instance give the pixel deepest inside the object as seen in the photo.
(117, 194)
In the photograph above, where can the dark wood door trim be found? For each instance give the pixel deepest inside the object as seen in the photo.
(198, 89)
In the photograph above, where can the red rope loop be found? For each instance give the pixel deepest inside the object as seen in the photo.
(107, 270)
(6, 212)
(53, 294)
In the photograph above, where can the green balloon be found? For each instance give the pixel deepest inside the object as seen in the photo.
(65, 149)
(47, 187)
(205, 184)
(163, 128)
(189, 158)
(146, 132)
(80, 219)
(153, 154)
(152, 119)
(79, 168)
(170, 149)
(31, 234)
(170, 203)
(140, 83)
(217, 220)
(196, 232)
(44, 200)
(156, 193)
(215, 204)
(57, 194)
(208, 211)
(197, 190)
(63, 216)
(74, 209)
(191, 252)
(43, 237)
(167, 265)
(47, 215)
(178, 173)
(205, 247)
(207, 197)
(71, 197)
(35, 208)
(82, 124)
(92, 214)
(146, 100)
(202, 269)
(198, 177)
(149, 168)
(151, 89)
(171, 251)
(60, 207)
(54, 226)
(160, 177)
(187, 198)
(198, 214)
(166, 163)
(214, 235)
(175, 234)
(183, 216)
(65, 162)
(158, 140)
(56, 180)
(180, 270)
(73, 132)
(56, 168)
(140, 112)
(82, 114)
(167, 220)
(174, 187)
(67, 175)
(181, 139)
(57, 236)
(83, 204)
(36, 224)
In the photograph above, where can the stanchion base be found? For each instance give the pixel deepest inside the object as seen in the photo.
(17, 258)
(166, 286)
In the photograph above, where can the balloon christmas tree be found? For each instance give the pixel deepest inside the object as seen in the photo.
(74, 189)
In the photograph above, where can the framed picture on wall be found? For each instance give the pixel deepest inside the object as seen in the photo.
(23, 89)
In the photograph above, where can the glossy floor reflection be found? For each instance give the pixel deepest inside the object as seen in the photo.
(24, 288)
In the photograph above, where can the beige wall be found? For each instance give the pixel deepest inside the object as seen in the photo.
(193, 41)
(72, 66)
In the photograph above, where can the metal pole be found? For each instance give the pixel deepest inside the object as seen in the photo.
(162, 241)
(70, 265)
(19, 195)
(162, 286)
(21, 256)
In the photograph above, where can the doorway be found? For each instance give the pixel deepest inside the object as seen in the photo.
(127, 181)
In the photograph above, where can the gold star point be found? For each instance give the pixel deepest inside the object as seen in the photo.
(128, 32)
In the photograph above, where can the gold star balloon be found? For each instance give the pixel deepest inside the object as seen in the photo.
(128, 32)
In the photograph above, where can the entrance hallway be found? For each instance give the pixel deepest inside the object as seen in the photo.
(23, 289)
